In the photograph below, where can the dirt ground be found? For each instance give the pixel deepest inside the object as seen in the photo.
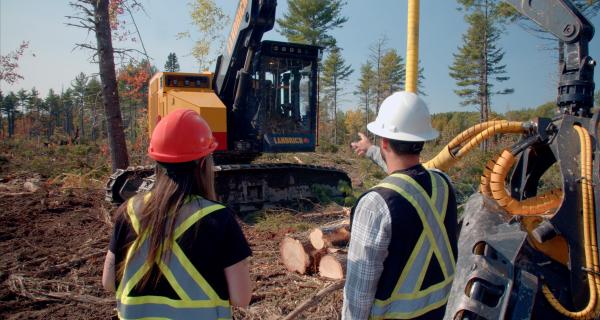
(53, 241)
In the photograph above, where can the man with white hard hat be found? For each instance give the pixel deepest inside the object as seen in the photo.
(401, 259)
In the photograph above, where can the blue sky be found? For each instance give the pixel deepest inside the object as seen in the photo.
(52, 62)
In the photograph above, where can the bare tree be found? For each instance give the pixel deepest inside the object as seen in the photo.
(377, 51)
(93, 15)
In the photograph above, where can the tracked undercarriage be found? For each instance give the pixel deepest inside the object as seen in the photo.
(246, 187)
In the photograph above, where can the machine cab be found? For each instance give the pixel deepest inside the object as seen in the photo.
(280, 101)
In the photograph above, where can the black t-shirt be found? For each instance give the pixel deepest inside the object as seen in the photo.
(212, 244)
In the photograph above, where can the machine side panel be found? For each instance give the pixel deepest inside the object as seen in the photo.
(208, 105)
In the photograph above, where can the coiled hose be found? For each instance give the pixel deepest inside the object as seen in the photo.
(492, 181)
(496, 188)
(589, 237)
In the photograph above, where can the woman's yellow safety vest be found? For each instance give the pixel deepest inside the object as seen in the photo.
(408, 300)
(197, 299)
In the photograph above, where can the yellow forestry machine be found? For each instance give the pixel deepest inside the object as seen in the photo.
(261, 98)
(524, 254)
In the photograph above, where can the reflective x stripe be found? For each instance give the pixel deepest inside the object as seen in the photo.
(408, 308)
(407, 301)
(433, 223)
(410, 274)
(198, 298)
(163, 310)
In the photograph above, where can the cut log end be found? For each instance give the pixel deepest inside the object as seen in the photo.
(333, 266)
(293, 255)
(316, 238)
(328, 236)
(300, 256)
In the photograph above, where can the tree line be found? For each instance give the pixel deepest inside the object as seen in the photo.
(102, 106)
(477, 68)
(76, 114)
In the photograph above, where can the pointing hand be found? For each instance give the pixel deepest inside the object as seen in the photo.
(361, 146)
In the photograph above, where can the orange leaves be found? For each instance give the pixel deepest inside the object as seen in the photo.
(133, 81)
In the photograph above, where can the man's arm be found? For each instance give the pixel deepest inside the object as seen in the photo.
(365, 147)
(374, 153)
(369, 241)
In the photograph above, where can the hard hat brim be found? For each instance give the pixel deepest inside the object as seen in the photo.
(179, 158)
(377, 129)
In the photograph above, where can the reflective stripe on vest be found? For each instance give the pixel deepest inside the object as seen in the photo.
(198, 300)
(407, 300)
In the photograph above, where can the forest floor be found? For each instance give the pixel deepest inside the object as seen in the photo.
(54, 236)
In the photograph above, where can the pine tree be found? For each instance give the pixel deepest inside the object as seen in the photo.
(93, 93)
(52, 103)
(68, 105)
(389, 72)
(22, 104)
(34, 107)
(377, 52)
(392, 73)
(365, 87)
(78, 86)
(335, 72)
(309, 21)
(9, 107)
(478, 61)
(172, 65)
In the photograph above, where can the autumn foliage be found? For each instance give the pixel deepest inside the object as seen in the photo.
(133, 81)
(9, 64)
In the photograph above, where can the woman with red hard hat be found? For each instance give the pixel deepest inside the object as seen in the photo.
(175, 253)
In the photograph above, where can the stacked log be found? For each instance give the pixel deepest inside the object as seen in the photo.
(333, 266)
(334, 235)
(322, 251)
(300, 256)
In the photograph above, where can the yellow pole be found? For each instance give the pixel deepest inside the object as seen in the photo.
(412, 46)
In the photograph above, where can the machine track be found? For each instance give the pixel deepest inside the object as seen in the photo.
(246, 187)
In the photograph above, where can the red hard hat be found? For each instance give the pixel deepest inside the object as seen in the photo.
(181, 136)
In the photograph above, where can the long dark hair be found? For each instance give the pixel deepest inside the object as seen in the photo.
(173, 184)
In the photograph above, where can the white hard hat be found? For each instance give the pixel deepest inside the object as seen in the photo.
(403, 116)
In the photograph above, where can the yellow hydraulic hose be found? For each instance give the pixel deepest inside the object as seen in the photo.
(445, 159)
(473, 137)
(470, 139)
(412, 46)
(472, 131)
(506, 127)
(484, 186)
(541, 204)
(589, 236)
(588, 198)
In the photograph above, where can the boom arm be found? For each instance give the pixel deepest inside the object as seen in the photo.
(252, 19)
(558, 17)
(562, 19)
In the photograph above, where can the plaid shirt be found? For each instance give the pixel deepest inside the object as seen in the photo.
(374, 153)
(369, 241)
